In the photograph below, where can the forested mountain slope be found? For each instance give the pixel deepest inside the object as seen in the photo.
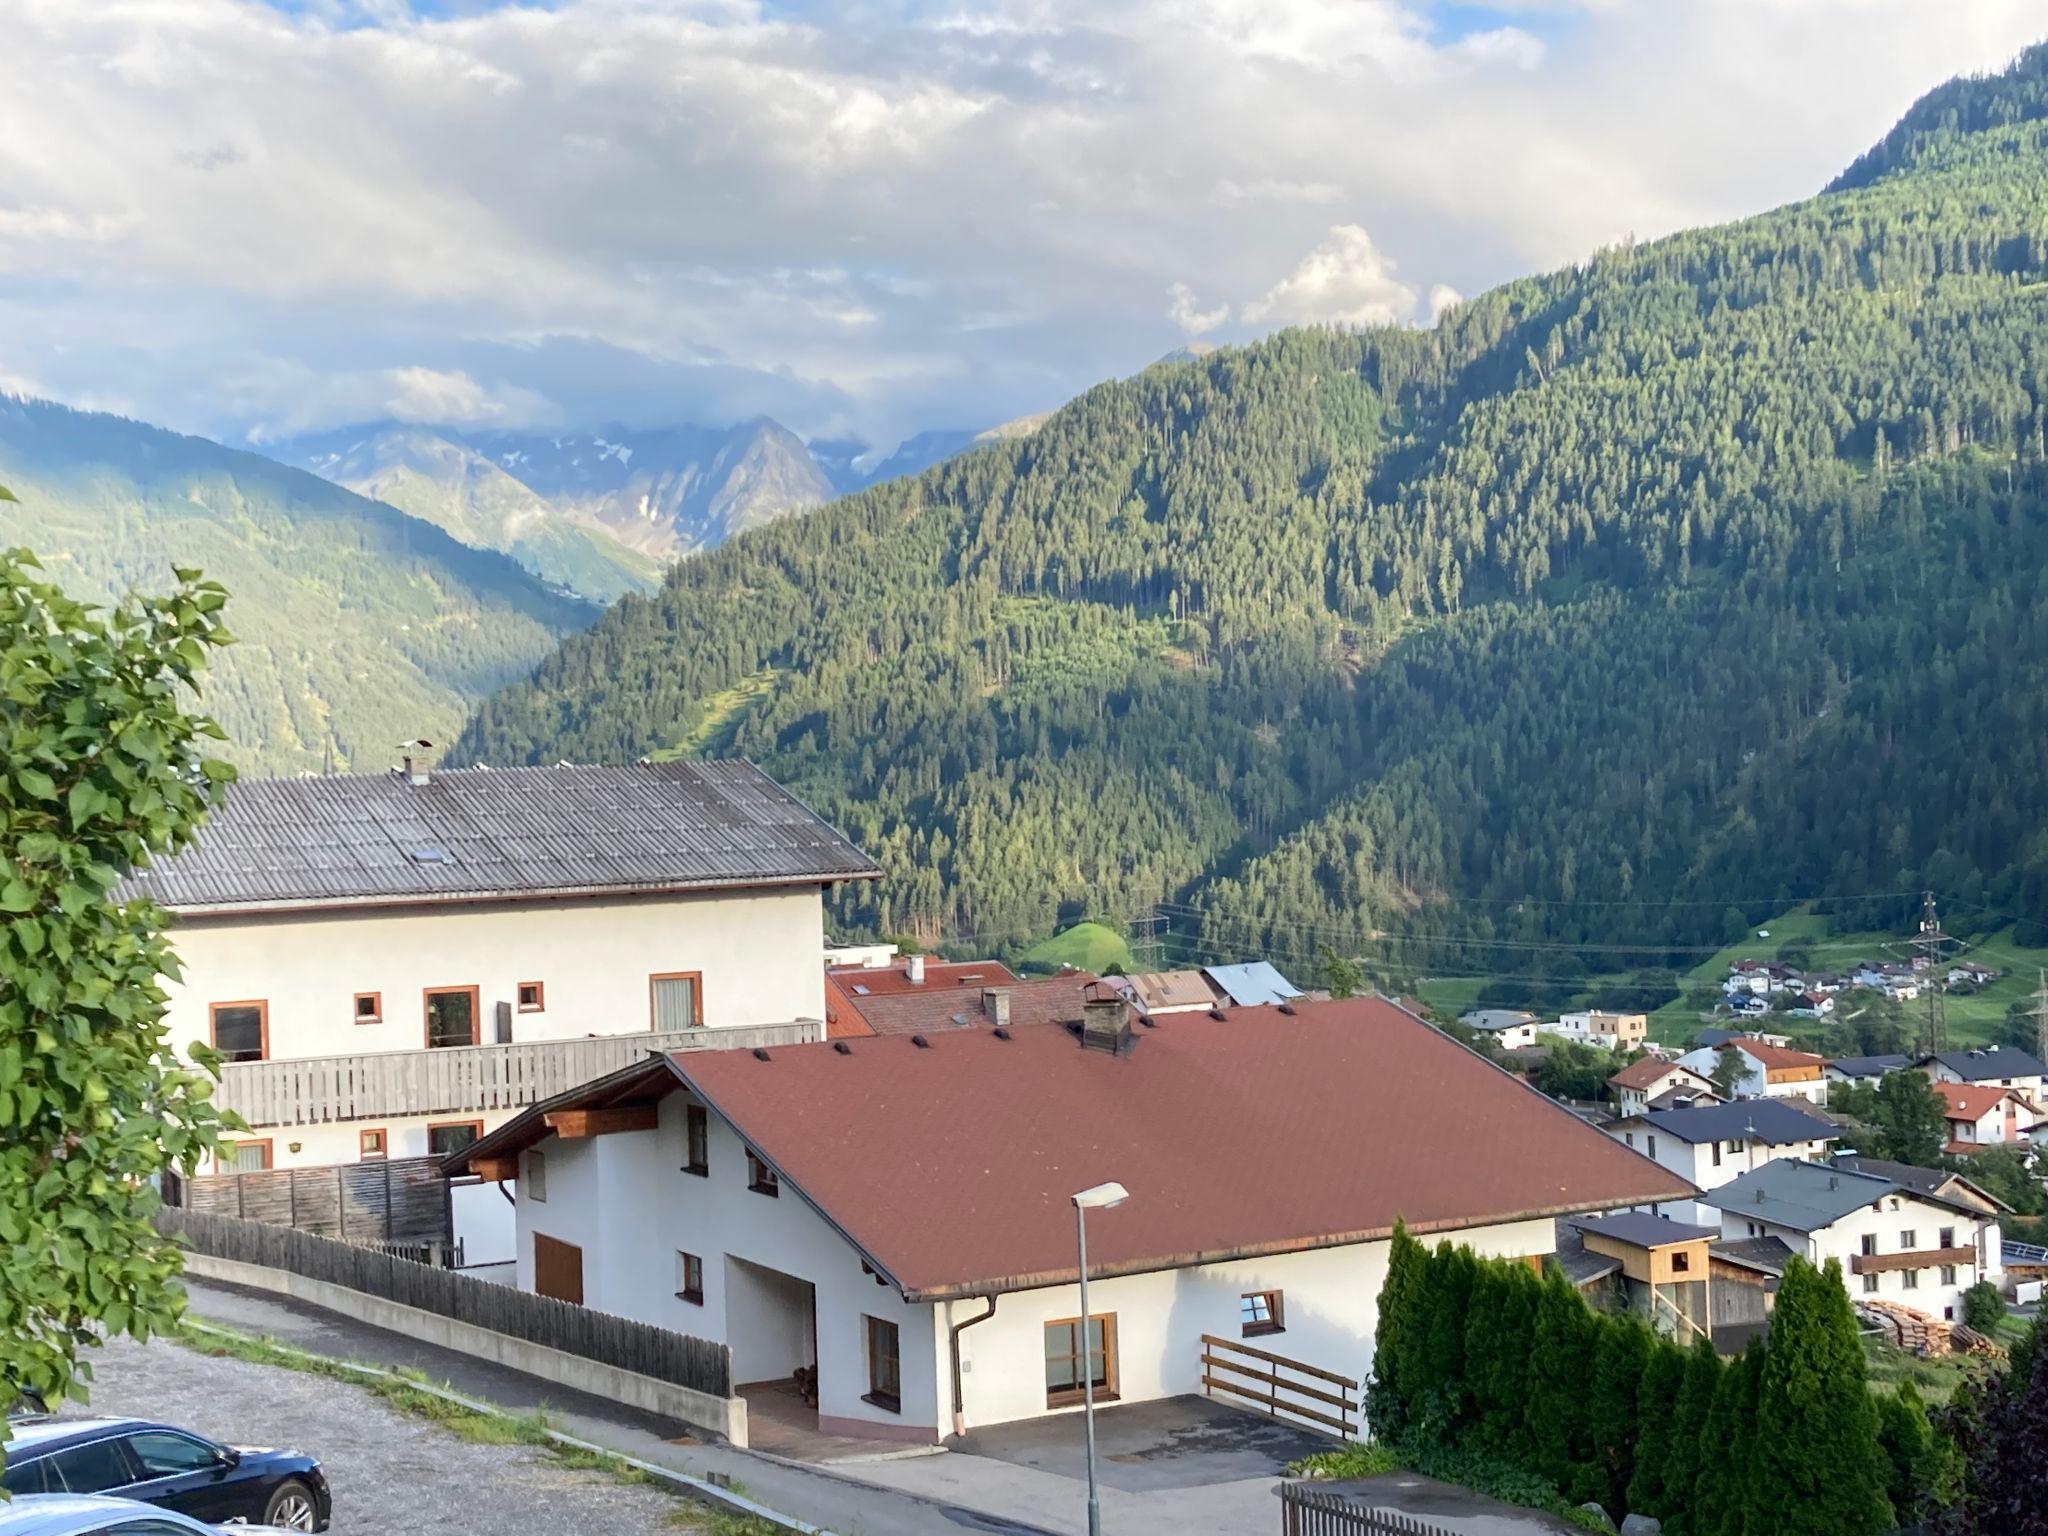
(1708, 571)
(358, 627)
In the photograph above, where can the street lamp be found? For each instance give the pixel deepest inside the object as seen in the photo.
(1099, 1198)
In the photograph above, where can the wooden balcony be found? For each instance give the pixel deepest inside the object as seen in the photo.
(383, 1085)
(1918, 1258)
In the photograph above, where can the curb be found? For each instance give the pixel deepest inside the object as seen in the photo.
(692, 1487)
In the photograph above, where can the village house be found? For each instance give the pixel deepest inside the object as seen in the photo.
(882, 973)
(1509, 1028)
(1768, 1071)
(1996, 1066)
(1708, 1145)
(891, 1218)
(1252, 984)
(1969, 976)
(1857, 1070)
(391, 965)
(1636, 1085)
(1985, 1116)
(1653, 1267)
(1706, 1038)
(1609, 1031)
(1894, 1242)
(1057, 999)
(1159, 994)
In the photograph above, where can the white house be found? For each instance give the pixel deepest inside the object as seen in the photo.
(895, 1212)
(391, 965)
(1509, 1028)
(1709, 1145)
(1990, 1066)
(1636, 1084)
(1894, 1242)
(1768, 1071)
(1609, 1031)
(1986, 1116)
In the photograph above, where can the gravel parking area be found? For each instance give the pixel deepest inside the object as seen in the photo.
(391, 1473)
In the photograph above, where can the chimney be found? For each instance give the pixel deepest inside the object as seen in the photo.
(995, 1002)
(416, 766)
(917, 970)
(1105, 1021)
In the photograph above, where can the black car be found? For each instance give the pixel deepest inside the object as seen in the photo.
(169, 1467)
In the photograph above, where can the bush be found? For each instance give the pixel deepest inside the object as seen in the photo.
(1983, 1306)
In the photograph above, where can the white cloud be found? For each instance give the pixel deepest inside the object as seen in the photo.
(869, 217)
(1345, 280)
(1186, 311)
(1442, 297)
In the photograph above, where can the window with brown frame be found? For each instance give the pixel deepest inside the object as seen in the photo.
(452, 1016)
(885, 1366)
(369, 1007)
(241, 1031)
(372, 1145)
(252, 1156)
(1260, 1312)
(451, 1136)
(696, 1140)
(534, 1178)
(675, 1000)
(689, 1278)
(761, 1178)
(1064, 1360)
(533, 997)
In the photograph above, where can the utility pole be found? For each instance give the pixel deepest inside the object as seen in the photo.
(2041, 1017)
(1146, 946)
(1931, 942)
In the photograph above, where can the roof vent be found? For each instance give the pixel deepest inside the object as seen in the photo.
(760, 1054)
(842, 1048)
(1105, 1022)
(920, 1042)
(916, 970)
(995, 1002)
(416, 766)
(1216, 1014)
(1288, 1009)
(1003, 1034)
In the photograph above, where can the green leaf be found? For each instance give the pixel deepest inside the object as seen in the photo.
(16, 897)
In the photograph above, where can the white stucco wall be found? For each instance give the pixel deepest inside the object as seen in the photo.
(758, 952)
(1886, 1221)
(1696, 1161)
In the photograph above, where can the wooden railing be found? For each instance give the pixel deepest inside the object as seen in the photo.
(1918, 1258)
(1278, 1385)
(378, 1085)
(1310, 1511)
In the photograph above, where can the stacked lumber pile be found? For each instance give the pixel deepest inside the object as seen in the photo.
(1914, 1332)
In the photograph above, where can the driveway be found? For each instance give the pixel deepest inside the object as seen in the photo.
(1175, 1442)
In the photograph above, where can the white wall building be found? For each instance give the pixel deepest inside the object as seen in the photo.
(1894, 1243)
(1636, 1084)
(1768, 1071)
(393, 964)
(1990, 1066)
(917, 1247)
(1714, 1144)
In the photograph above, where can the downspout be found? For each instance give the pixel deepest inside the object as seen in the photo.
(953, 1332)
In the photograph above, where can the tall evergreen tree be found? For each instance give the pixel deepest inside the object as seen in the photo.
(1621, 1354)
(1816, 1468)
(1443, 1395)
(1907, 1437)
(1721, 1490)
(1560, 1373)
(1694, 1438)
(1499, 1337)
(1403, 1297)
(1656, 1423)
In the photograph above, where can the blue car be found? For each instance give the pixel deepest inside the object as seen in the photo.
(90, 1514)
(171, 1468)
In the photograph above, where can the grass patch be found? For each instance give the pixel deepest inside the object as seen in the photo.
(1888, 1367)
(1088, 946)
(1373, 1460)
(712, 723)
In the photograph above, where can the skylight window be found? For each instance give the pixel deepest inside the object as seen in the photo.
(427, 853)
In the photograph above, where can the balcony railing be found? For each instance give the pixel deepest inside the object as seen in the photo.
(1918, 1258)
(378, 1085)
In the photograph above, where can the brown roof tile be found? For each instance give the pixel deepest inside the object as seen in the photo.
(1040, 1000)
(850, 988)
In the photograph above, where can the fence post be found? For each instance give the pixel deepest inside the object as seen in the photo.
(341, 1201)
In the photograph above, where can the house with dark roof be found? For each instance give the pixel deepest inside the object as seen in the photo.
(896, 1214)
(391, 964)
(1895, 1241)
(1988, 1066)
(1708, 1144)
(1864, 1069)
(1659, 1269)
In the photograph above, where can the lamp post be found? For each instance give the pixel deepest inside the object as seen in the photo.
(1100, 1198)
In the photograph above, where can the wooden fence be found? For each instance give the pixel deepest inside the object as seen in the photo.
(1279, 1386)
(642, 1348)
(1306, 1510)
(401, 1200)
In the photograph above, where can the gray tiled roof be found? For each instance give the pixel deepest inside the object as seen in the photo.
(1765, 1253)
(1773, 1122)
(1806, 1197)
(1868, 1066)
(1987, 1062)
(1643, 1229)
(479, 834)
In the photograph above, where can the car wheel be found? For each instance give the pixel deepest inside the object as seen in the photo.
(291, 1507)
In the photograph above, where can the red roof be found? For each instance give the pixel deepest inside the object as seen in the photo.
(1966, 1101)
(846, 1007)
(1649, 1072)
(1774, 1058)
(950, 1165)
(1041, 1000)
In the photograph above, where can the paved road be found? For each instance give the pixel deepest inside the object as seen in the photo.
(390, 1472)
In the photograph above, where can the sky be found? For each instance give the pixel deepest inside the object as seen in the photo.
(862, 217)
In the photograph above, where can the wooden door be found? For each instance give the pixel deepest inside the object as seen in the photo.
(557, 1269)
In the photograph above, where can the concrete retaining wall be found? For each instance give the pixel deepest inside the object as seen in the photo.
(723, 1416)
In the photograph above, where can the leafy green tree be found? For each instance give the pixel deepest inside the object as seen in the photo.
(1907, 1439)
(1983, 1306)
(1397, 1335)
(1729, 1067)
(1663, 1380)
(1576, 1071)
(1342, 977)
(1816, 1468)
(1560, 1372)
(1621, 1354)
(105, 769)
(1698, 1441)
(2000, 1426)
(2002, 1171)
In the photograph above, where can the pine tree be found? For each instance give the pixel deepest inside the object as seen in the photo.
(1560, 1368)
(1442, 1392)
(1908, 1441)
(1656, 1419)
(1816, 1467)
(1621, 1353)
(1689, 1443)
(1402, 1297)
(1498, 1337)
(1720, 1499)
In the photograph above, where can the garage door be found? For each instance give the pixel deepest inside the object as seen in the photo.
(557, 1269)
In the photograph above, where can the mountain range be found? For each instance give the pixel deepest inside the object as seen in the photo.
(1628, 602)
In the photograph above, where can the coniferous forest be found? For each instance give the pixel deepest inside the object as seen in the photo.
(1706, 575)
